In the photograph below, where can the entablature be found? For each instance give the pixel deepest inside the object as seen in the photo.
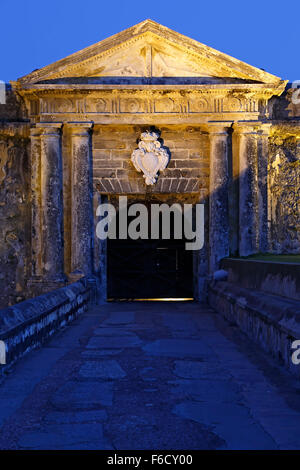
(195, 103)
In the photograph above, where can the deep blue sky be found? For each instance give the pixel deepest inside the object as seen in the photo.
(263, 33)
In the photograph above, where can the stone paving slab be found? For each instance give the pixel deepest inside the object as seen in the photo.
(107, 331)
(83, 395)
(227, 419)
(59, 417)
(102, 370)
(178, 348)
(99, 342)
(95, 353)
(149, 376)
(119, 318)
(207, 390)
(200, 370)
(66, 436)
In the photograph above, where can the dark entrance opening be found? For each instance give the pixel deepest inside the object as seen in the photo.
(149, 269)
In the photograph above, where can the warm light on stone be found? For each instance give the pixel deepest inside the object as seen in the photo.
(147, 113)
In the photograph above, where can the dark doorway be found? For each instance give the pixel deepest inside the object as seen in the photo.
(147, 269)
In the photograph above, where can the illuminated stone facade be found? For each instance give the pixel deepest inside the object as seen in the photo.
(231, 130)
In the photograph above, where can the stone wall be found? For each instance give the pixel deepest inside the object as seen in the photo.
(266, 276)
(262, 298)
(284, 189)
(14, 109)
(270, 321)
(284, 173)
(284, 107)
(14, 212)
(28, 324)
(187, 171)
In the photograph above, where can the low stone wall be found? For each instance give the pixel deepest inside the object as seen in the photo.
(266, 276)
(271, 321)
(28, 324)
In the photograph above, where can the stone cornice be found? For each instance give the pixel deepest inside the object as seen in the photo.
(262, 88)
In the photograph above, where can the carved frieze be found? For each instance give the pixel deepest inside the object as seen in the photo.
(150, 103)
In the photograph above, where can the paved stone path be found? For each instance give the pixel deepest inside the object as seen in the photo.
(149, 376)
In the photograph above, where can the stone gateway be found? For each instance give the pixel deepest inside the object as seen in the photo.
(158, 117)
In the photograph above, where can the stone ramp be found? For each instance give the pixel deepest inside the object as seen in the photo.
(169, 375)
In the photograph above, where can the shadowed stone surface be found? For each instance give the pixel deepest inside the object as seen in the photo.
(81, 395)
(93, 353)
(226, 419)
(208, 389)
(102, 369)
(106, 331)
(199, 370)
(177, 347)
(76, 417)
(119, 318)
(115, 342)
(66, 436)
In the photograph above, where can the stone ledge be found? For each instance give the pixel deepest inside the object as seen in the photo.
(269, 276)
(27, 325)
(271, 321)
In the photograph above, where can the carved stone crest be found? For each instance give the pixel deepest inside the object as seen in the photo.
(150, 157)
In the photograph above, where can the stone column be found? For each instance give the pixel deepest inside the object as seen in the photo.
(81, 191)
(248, 187)
(218, 194)
(298, 146)
(51, 203)
(36, 226)
(262, 168)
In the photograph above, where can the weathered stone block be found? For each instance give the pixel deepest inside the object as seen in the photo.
(28, 324)
(102, 154)
(108, 144)
(269, 320)
(106, 164)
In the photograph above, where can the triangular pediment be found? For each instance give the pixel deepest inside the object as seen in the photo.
(149, 50)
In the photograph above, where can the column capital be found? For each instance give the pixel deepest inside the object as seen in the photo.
(49, 128)
(265, 128)
(218, 127)
(35, 131)
(80, 128)
(251, 127)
